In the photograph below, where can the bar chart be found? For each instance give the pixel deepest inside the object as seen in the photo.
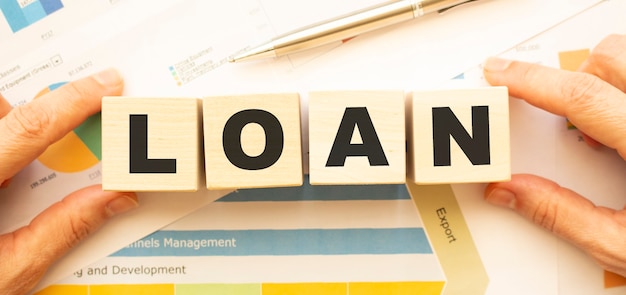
(297, 240)
(23, 13)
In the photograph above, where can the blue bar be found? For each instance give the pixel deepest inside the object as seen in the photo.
(309, 192)
(33, 12)
(280, 242)
(51, 6)
(54, 86)
(13, 14)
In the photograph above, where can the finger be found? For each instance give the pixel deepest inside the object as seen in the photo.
(595, 107)
(28, 130)
(608, 61)
(5, 107)
(601, 232)
(29, 251)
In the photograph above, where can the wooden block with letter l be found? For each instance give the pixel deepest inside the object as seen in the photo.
(252, 141)
(357, 137)
(150, 144)
(459, 135)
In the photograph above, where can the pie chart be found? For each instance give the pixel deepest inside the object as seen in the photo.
(78, 150)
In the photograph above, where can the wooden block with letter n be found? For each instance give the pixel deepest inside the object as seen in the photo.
(459, 135)
(150, 144)
(252, 141)
(357, 137)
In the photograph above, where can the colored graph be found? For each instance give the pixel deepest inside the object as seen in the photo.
(297, 240)
(78, 150)
(23, 13)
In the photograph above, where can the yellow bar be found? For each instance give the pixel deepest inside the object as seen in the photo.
(164, 289)
(64, 290)
(396, 288)
(305, 289)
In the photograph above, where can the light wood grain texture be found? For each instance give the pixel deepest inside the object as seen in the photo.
(384, 134)
(237, 152)
(466, 162)
(173, 132)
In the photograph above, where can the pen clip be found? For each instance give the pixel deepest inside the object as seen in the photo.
(453, 6)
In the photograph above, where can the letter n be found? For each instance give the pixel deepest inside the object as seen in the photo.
(447, 125)
(476, 119)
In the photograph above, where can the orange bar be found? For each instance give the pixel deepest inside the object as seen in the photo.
(612, 280)
(64, 290)
(572, 60)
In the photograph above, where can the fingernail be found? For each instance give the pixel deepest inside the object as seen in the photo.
(121, 204)
(108, 77)
(501, 197)
(496, 64)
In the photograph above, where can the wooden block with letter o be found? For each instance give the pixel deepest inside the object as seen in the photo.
(459, 135)
(252, 141)
(150, 144)
(357, 137)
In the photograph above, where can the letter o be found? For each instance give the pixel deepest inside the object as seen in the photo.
(274, 139)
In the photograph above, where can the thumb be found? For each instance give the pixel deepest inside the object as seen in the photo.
(599, 231)
(28, 252)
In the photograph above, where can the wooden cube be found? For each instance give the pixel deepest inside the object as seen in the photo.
(150, 144)
(459, 135)
(357, 137)
(253, 141)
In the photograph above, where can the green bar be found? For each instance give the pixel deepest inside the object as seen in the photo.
(218, 289)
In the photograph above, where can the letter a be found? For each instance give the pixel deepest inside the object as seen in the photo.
(336, 153)
(360, 119)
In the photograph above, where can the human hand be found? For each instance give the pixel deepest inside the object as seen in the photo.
(26, 132)
(594, 100)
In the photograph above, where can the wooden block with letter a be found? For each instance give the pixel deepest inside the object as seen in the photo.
(357, 137)
(150, 144)
(459, 135)
(252, 141)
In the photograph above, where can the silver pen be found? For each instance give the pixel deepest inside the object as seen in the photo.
(344, 27)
